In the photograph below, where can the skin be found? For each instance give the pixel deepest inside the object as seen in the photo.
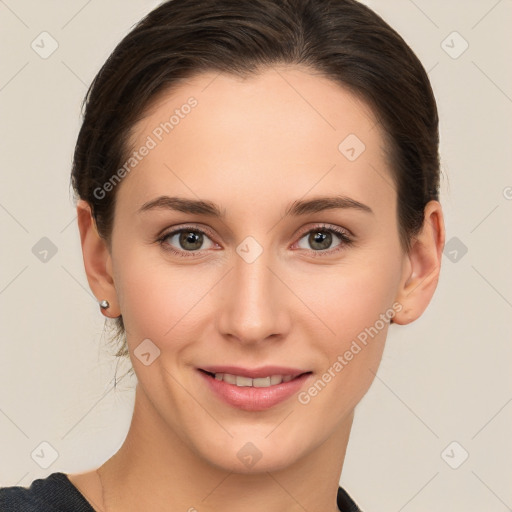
(252, 146)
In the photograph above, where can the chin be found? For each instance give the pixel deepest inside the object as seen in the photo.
(253, 457)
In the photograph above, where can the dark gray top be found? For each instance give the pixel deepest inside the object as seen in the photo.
(56, 493)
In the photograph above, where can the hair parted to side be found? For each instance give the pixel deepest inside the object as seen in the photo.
(342, 40)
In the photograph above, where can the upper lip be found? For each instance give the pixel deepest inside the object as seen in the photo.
(254, 373)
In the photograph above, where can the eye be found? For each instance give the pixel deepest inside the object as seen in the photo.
(189, 241)
(320, 239)
(186, 240)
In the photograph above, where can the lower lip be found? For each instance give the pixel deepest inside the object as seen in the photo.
(250, 398)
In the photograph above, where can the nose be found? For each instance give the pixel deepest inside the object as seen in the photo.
(254, 301)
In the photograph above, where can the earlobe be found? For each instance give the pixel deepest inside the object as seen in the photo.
(97, 260)
(422, 266)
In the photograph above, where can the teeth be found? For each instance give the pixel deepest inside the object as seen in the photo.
(226, 377)
(276, 379)
(243, 381)
(260, 382)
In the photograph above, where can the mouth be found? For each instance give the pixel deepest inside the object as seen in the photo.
(254, 390)
(258, 382)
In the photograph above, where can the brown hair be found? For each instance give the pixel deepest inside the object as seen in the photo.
(342, 40)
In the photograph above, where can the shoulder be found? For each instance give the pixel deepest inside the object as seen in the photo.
(55, 492)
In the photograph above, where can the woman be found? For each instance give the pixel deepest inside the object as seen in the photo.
(257, 198)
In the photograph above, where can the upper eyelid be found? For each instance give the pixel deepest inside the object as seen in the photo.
(327, 227)
(179, 229)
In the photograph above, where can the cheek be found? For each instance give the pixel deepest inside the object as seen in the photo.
(355, 303)
(158, 300)
(349, 297)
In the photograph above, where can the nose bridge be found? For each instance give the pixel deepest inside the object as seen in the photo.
(253, 307)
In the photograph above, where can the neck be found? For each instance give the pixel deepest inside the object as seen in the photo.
(155, 470)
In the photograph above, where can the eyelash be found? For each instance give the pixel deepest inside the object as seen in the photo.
(342, 234)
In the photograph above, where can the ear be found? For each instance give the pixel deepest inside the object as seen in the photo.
(97, 260)
(422, 266)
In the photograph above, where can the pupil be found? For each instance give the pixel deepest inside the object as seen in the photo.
(320, 238)
(192, 238)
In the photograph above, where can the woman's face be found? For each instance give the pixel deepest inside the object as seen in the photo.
(266, 284)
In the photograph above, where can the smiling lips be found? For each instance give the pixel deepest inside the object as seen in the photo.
(254, 389)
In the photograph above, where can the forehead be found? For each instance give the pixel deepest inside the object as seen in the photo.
(284, 131)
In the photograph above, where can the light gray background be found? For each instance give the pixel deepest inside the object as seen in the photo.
(443, 378)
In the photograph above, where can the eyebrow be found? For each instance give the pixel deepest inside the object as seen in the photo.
(297, 208)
